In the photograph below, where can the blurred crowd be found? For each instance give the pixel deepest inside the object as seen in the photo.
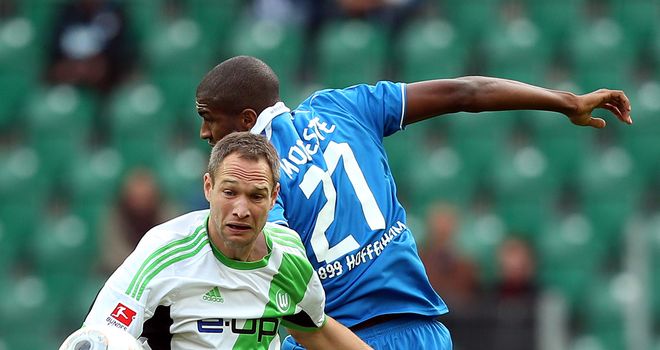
(99, 142)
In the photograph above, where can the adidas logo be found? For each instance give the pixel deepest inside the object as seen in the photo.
(213, 295)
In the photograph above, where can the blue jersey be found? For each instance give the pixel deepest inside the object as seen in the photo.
(338, 193)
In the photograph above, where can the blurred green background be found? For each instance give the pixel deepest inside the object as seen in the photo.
(586, 201)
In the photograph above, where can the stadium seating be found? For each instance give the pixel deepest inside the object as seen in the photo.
(140, 119)
(431, 49)
(570, 252)
(63, 149)
(479, 137)
(561, 142)
(481, 232)
(593, 40)
(41, 14)
(524, 188)
(92, 183)
(60, 121)
(515, 48)
(603, 311)
(556, 20)
(610, 189)
(651, 231)
(276, 43)
(180, 173)
(29, 315)
(18, 57)
(176, 56)
(640, 140)
(351, 52)
(472, 18)
(638, 20)
(23, 189)
(445, 178)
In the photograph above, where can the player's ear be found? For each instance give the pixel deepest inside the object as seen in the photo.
(208, 186)
(276, 191)
(248, 118)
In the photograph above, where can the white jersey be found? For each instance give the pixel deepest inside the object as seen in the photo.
(179, 292)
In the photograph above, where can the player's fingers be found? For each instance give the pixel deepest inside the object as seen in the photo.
(597, 123)
(616, 111)
(621, 101)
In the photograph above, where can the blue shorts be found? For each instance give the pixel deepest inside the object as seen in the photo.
(402, 333)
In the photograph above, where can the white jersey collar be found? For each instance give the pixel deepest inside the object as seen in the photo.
(263, 123)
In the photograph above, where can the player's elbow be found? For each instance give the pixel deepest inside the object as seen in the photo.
(470, 91)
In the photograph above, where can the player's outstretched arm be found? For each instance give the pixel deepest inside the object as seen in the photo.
(478, 94)
(333, 335)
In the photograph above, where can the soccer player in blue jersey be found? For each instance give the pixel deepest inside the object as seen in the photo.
(337, 190)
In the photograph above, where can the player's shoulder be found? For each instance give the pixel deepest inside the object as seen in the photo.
(185, 229)
(349, 94)
(284, 238)
(280, 231)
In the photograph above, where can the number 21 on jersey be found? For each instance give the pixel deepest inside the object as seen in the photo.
(316, 176)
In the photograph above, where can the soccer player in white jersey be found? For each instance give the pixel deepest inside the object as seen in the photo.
(223, 278)
(337, 190)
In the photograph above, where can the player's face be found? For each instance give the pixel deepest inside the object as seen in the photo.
(216, 124)
(240, 197)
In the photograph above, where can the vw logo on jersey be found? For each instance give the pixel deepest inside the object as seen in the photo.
(282, 300)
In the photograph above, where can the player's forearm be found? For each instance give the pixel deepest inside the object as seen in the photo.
(479, 94)
(493, 94)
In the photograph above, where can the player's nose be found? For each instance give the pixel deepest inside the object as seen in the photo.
(241, 209)
(205, 133)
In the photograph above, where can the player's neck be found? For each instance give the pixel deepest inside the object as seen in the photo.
(252, 252)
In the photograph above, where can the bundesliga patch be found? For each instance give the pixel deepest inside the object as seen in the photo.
(123, 314)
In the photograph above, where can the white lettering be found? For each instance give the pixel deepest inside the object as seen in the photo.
(288, 168)
(321, 126)
(378, 248)
(312, 149)
(297, 155)
(399, 228)
(309, 136)
(369, 251)
(305, 148)
(385, 239)
(350, 261)
(302, 152)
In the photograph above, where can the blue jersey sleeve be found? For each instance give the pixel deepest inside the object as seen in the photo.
(379, 108)
(276, 215)
(382, 104)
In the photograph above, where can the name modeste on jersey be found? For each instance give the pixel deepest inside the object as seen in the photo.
(301, 152)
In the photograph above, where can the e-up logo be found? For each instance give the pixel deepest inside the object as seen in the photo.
(282, 300)
(262, 327)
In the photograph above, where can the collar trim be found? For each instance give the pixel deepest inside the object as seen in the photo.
(263, 124)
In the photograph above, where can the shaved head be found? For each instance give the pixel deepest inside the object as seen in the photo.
(239, 83)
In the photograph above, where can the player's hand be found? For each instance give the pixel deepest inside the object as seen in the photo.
(613, 100)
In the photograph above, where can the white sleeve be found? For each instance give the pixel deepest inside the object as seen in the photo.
(114, 308)
(313, 303)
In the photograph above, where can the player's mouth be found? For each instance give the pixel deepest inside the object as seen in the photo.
(238, 227)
